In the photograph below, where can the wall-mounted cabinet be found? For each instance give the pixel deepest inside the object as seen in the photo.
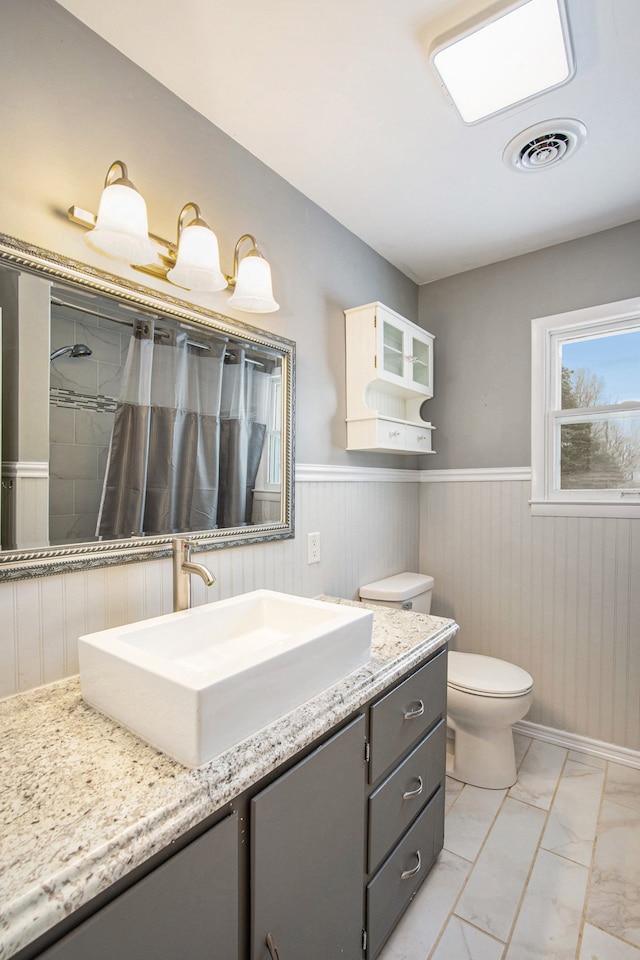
(389, 376)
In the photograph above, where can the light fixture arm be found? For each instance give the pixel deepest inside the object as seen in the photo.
(182, 216)
(111, 174)
(254, 252)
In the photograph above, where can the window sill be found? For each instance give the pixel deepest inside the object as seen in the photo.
(585, 508)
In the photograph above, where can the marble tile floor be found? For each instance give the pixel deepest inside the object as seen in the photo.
(548, 870)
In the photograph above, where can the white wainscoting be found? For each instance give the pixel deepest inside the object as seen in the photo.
(559, 596)
(368, 525)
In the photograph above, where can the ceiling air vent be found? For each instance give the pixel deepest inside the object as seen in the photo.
(544, 145)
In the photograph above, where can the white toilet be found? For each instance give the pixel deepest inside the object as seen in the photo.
(485, 696)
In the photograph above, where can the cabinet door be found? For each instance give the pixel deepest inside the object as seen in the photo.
(420, 359)
(406, 354)
(188, 907)
(307, 838)
(393, 348)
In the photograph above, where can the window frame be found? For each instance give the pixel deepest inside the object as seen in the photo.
(265, 485)
(547, 336)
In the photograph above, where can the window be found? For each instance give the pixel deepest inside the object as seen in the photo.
(268, 478)
(585, 425)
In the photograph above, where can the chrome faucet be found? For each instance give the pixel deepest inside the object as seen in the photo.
(182, 567)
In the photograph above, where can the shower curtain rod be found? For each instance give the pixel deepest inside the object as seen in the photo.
(126, 323)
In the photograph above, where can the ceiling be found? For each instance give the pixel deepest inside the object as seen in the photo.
(339, 98)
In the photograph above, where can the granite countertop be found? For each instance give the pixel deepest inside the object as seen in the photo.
(83, 801)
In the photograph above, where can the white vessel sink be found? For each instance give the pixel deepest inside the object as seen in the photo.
(197, 682)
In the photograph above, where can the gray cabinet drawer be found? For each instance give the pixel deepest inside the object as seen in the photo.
(397, 881)
(403, 716)
(400, 798)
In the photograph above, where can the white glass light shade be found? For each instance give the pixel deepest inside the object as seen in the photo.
(521, 52)
(254, 291)
(198, 263)
(121, 231)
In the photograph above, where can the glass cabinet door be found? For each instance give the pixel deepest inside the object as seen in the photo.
(392, 349)
(420, 362)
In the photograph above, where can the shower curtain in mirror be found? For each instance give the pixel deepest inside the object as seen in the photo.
(168, 466)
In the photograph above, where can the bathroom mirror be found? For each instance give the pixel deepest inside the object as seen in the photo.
(130, 417)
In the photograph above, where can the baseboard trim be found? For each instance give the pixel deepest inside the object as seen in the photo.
(572, 741)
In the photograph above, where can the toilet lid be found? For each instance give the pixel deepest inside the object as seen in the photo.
(487, 676)
(399, 587)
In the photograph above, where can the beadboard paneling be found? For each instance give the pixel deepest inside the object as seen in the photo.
(367, 530)
(558, 595)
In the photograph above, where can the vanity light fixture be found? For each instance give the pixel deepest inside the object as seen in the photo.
(120, 231)
(197, 264)
(252, 280)
(491, 63)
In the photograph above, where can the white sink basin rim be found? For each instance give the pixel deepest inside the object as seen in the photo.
(195, 683)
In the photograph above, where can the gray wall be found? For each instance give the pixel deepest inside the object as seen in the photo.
(71, 104)
(482, 322)
(556, 595)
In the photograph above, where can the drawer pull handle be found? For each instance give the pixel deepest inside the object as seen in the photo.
(271, 946)
(407, 874)
(417, 711)
(410, 794)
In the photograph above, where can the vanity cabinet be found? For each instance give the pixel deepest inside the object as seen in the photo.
(307, 841)
(187, 907)
(389, 364)
(318, 861)
(406, 804)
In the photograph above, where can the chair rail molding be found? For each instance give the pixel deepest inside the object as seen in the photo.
(475, 474)
(328, 473)
(324, 473)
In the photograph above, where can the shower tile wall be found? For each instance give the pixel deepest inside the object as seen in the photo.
(82, 402)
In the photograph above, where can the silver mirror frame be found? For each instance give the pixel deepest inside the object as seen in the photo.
(17, 564)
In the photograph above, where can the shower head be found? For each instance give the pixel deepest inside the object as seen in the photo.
(77, 350)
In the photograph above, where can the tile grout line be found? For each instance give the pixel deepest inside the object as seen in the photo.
(592, 863)
(473, 862)
(534, 858)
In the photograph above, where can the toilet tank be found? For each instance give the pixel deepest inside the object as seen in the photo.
(408, 591)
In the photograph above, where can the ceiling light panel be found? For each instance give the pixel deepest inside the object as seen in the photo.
(521, 51)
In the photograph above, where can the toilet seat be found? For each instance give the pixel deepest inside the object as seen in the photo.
(487, 676)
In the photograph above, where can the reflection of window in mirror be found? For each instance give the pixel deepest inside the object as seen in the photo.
(266, 505)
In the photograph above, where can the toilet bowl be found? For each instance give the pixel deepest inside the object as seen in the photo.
(485, 696)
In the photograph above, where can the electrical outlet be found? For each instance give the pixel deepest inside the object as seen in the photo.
(313, 548)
